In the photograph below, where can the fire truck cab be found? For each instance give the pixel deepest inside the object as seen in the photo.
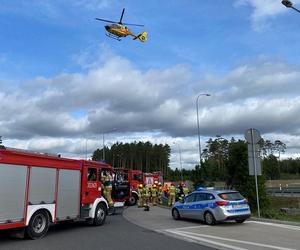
(137, 177)
(39, 189)
(120, 185)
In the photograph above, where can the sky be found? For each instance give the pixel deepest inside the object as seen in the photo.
(64, 84)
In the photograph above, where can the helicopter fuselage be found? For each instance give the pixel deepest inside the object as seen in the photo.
(119, 30)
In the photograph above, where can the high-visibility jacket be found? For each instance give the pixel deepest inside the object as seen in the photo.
(186, 190)
(153, 192)
(165, 188)
(146, 192)
(140, 192)
(172, 190)
(159, 191)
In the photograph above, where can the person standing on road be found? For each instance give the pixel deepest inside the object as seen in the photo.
(165, 190)
(154, 195)
(172, 195)
(146, 195)
(179, 192)
(159, 193)
(186, 190)
(140, 195)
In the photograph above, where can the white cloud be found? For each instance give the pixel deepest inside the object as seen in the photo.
(151, 105)
(263, 10)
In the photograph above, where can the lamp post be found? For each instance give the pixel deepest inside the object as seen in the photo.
(86, 145)
(180, 159)
(289, 4)
(197, 107)
(105, 132)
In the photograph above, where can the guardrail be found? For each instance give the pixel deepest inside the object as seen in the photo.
(287, 192)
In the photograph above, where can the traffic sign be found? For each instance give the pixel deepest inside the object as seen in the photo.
(252, 135)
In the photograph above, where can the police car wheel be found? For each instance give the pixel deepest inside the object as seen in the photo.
(38, 225)
(209, 219)
(175, 214)
(100, 215)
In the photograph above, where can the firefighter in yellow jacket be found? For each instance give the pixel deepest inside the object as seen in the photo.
(146, 198)
(172, 195)
(186, 190)
(140, 195)
(108, 190)
(159, 193)
(154, 195)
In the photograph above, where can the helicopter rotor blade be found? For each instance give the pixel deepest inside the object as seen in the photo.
(133, 24)
(103, 20)
(122, 16)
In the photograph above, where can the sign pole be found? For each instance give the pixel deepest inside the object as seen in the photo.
(255, 173)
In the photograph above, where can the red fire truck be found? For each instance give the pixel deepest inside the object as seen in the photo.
(135, 178)
(38, 189)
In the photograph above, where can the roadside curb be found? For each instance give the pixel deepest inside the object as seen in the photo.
(292, 223)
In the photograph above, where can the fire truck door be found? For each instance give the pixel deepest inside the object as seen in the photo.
(93, 188)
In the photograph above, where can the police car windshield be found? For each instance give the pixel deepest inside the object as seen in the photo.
(232, 196)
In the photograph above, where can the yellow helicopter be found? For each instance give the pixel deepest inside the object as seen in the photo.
(117, 30)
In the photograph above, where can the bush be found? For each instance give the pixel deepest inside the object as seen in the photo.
(272, 214)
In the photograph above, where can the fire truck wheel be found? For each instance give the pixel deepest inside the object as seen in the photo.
(132, 200)
(100, 215)
(38, 225)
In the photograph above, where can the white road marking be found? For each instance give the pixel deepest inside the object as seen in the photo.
(183, 228)
(190, 234)
(276, 225)
(199, 240)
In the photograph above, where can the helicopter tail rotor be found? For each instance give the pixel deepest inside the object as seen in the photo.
(142, 37)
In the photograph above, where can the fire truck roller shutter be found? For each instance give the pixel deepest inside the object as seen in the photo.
(68, 200)
(41, 191)
(12, 192)
(42, 186)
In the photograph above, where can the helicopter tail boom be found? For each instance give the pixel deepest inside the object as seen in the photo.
(142, 37)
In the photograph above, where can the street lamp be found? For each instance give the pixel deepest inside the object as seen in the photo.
(197, 106)
(179, 150)
(105, 132)
(289, 4)
(86, 145)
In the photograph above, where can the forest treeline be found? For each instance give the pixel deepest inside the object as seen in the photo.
(222, 160)
(144, 156)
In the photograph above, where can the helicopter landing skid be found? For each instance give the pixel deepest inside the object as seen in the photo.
(113, 36)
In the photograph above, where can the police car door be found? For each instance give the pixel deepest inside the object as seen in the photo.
(199, 205)
(188, 206)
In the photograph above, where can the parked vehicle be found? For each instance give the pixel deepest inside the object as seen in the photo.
(137, 177)
(213, 206)
(38, 189)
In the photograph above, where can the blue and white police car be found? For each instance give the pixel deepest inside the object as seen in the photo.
(212, 206)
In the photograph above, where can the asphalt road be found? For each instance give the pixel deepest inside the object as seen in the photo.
(116, 234)
(251, 235)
